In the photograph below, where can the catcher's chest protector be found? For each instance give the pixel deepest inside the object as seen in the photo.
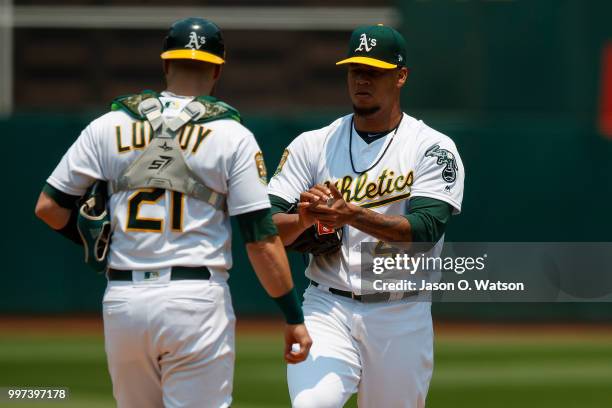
(162, 165)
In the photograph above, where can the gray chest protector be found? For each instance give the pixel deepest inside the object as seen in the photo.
(162, 164)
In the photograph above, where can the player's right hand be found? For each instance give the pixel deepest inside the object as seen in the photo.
(306, 217)
(298, 335)
(310, 199)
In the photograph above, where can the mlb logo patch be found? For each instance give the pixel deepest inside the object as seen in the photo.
(323, 230)
(151, 275)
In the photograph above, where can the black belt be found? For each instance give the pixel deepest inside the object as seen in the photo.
(177, 273)
(369, 298)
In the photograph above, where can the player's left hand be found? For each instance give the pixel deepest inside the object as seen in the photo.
(336, 213)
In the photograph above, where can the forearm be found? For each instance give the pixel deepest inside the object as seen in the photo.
(269, 260)
(60, 219)
(387, 228)
(270, 263)
(289, 227)
(51, 213)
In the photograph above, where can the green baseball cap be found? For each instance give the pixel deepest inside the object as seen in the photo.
(194, 38)
(378, 46)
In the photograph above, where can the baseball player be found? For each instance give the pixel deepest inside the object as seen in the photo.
(381, 176)
(178, 164)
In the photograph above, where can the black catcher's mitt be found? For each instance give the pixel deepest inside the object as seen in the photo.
(94, 227)
(316, 240)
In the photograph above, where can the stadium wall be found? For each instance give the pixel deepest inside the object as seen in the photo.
(527, 180)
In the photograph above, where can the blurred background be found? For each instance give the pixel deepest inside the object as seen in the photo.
(524, 88)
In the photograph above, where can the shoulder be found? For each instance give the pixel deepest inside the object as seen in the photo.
(230, 130)
(230, 138)
(107, 123)
(110, 118)
(227, 125)
(327, 130)
(314, 140)
(426, 136)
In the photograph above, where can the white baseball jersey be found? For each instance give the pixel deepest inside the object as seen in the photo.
(415, 161)
(156, 228)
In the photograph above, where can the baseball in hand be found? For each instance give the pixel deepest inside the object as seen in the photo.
(295, 347)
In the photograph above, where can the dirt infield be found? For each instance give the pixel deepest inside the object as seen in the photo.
(92, 325)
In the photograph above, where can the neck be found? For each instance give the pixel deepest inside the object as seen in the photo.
(379, 121)
(190, 88)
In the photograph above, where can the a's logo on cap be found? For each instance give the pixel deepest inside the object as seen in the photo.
(399, 58)
(195, 42)
(365, 43)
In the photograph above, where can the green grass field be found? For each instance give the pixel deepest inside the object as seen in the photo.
(471, 370)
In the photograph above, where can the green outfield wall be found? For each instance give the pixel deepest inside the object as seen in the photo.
(526, 180)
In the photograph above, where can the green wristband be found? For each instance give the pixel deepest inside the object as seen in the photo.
(290, 306)
(62, 199)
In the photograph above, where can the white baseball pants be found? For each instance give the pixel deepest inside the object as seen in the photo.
(383, 351)
(170, 345)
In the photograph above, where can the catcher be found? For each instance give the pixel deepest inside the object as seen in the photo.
(177, 166)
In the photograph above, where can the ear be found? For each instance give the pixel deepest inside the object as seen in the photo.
(165, 66)
(402, 76)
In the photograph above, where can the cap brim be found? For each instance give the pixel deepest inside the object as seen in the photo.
(367, 61)
(193, 55)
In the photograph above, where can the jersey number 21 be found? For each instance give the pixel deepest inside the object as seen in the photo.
(151, 196)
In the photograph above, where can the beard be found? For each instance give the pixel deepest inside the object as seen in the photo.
(365, 111)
